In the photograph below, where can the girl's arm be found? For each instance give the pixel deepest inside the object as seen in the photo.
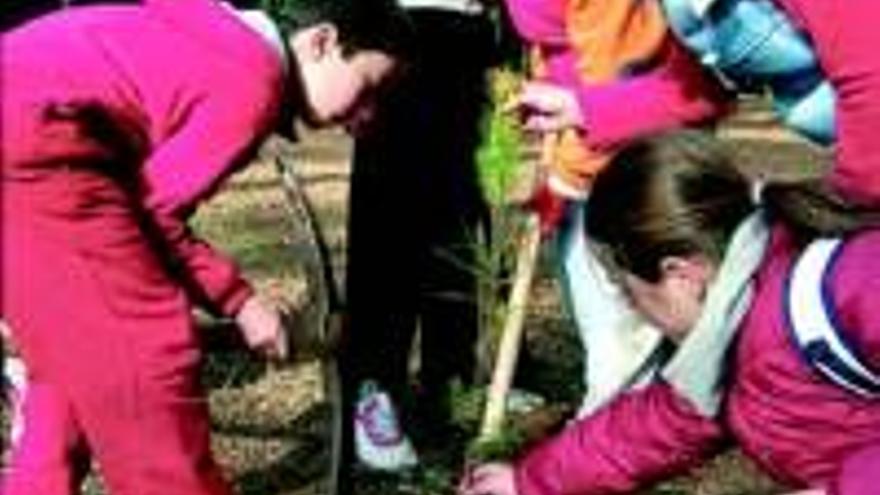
(641, 437)
(678, 92)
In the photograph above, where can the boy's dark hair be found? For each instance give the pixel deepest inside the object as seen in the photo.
(362, 24)
(678, 194)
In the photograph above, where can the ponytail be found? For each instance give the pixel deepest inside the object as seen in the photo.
(810, 208)
(677, 194)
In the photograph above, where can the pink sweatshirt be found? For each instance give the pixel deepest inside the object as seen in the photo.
(181, 89)
(846, 36)
(675, 93)
(804, 430)
(671, 92)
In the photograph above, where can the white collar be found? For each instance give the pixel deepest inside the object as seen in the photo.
(696, 370)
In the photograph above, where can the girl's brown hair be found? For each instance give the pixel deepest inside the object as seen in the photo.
(678, 194)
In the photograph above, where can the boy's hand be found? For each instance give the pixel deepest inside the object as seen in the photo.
(260, 324)
(546, 107)
(489, 479)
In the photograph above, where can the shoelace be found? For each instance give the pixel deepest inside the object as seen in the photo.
(380, 422)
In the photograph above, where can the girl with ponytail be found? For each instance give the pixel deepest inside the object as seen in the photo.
(765, 296)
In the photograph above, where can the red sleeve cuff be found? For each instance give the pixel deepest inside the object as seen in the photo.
(232, 301)
(534, 476)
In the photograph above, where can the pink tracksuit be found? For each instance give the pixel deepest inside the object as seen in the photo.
(803, 429)
(116, 121)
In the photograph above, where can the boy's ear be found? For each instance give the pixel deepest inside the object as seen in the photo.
(319, 40)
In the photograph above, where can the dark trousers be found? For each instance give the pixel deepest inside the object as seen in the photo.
(415, 212)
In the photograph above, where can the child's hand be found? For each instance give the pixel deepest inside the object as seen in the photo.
(489, 479)
(260, 324)
(546, 107)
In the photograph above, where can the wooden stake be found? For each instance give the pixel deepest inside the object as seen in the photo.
(511, 337)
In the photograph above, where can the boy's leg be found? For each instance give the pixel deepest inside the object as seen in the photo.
(96, 315)
(47, 456)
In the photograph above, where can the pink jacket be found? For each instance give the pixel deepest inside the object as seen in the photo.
(184, 88)
(804, 430)
(846, 37)
(675, 93)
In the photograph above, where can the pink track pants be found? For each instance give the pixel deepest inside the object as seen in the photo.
(107, 336)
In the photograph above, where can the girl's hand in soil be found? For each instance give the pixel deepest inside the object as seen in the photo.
(260, 325)
(489, 479)
(546, 107)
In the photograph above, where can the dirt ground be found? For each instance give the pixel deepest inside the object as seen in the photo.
(270, 423)
(269, 458)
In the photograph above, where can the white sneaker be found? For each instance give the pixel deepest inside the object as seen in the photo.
(521, 401)
(15, 383)
(380, 443)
